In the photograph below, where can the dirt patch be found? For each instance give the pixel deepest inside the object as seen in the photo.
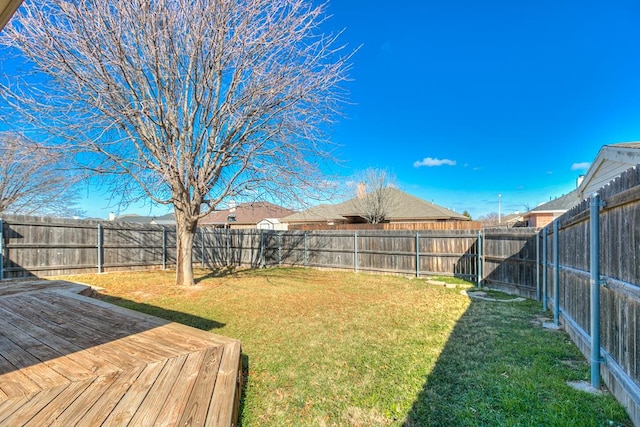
(483, 296)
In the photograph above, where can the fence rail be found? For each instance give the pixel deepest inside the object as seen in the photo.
(592, 265)
(554, 265)
(45, 246)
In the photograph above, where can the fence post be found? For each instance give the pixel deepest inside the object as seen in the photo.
(228, 245)
(594, 263)
(556, 273)
(202, 247)
(538, 266)
(479, 251)
(306, 255)
(544, 269)
(280, 248)
(355, 251)
(164, 248)
(417, 254)
(1, 249)
(262, 258)
(100, 245)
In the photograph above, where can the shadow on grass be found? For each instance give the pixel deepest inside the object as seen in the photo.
(163, 313)
(245, 383)
(270, 273)
(215, 273)
(499, 367)
(189, 320)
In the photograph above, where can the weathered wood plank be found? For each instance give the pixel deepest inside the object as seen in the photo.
(226, 388)
(190, 336)
(34, 405)
(47, 355)
(197, 406)
(90, 362)
(171, 411)
(160, 392)
(30, 366)
(149, 371)
(109, 398)
(77, 409)
(129, 404)
(14, 382)
(60, 403)
(9, 406)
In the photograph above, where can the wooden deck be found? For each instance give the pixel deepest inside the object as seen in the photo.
(67, 359)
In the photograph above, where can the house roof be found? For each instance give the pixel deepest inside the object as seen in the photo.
(610, 162)
(247, 213)
(168, 219)
(7, 9)
(402, 207)
(560, 204)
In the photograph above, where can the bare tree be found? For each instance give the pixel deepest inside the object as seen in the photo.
(490, 218)
(196, 101)
(34, 180)
(375, 196)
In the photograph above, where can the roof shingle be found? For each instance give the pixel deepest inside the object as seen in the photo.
(402, 207)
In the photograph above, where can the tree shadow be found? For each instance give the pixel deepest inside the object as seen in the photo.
(511, 266)
(47, 329)
(215, 273)
(445, 396)
(216, 248)
(466, 265)
(497, 368)
(163, 313)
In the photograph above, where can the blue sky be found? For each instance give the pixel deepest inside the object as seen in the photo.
(465, 100)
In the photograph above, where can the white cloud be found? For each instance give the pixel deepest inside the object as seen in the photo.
(580, 166)
(430, 162)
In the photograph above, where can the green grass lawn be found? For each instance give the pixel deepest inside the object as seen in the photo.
(325, 348)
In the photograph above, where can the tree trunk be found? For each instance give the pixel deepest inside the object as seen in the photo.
(185, 234)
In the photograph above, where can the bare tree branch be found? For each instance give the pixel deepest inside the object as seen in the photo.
(35, 180)
(184, 102)
(373, 199)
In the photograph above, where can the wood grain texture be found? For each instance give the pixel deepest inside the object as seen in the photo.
(67, 360)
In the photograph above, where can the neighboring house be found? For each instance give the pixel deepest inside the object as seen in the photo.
(263, 215)
(547, 212)
(403, 208)
(513, 220)
(7, 9)
(168, 219)
(610, 162)
(271, 224)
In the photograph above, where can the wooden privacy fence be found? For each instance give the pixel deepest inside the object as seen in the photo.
(590, 279)
(53, 246)
(452, 252)
(554, 265)
(414, 226)
(511, 261)
(44, 247)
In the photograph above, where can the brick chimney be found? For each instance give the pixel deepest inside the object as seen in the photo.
(362, 190)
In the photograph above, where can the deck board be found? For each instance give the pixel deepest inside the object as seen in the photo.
(67, 359)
